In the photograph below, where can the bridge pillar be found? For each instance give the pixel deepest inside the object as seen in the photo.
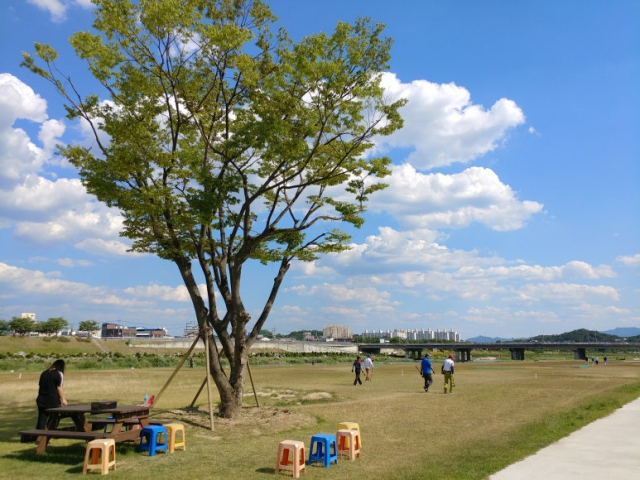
(463, 355)
(413, 353)
(517, 353)
(580, 354)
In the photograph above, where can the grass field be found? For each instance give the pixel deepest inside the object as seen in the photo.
(500, 412)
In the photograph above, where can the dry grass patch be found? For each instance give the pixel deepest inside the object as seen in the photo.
(286, 397)
(500, 412)
(251, 420)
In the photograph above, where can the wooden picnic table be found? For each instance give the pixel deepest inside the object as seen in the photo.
(89, 424)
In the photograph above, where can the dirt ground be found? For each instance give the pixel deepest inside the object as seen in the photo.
(252, 420)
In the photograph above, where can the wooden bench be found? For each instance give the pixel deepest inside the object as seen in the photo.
(126, 423)
(43, 436)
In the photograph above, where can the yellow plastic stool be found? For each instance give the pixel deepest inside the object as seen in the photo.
(100, 454)
(173, 429)
(350, 426)
(291, 457)
(348, 443)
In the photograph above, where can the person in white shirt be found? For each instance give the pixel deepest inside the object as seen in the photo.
(368, 367)
(447, 370)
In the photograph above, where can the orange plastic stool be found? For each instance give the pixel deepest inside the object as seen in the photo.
(173, 429)
(291, 457)
(348, 443)
(100, 454)
(350, 426)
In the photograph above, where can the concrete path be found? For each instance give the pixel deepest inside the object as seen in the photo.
(607, 449)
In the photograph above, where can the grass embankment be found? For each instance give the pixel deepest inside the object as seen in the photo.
(500, 413)
(25, 354)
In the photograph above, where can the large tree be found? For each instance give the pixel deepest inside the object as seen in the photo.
(22, 326)
(88, 326)
(53, 325)
(223, 142)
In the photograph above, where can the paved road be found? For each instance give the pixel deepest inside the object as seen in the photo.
(607, 449)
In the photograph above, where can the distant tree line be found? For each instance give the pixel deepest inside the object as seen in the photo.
(296, 335)
(23, 326)
(583, 335)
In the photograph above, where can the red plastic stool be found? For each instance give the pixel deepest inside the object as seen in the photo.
(100, 455)
(348, 443)
(291, 457)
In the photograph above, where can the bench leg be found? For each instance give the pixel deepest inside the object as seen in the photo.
(43, 440)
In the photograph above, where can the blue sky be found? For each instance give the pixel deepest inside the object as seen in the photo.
(513, 209)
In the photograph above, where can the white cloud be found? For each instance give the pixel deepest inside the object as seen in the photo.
(443, 126)
(293, 310)
(381, 257)
(39, 210)
(100, 246)
(161, 292)
(438, 285)
(72, 262)
(86, 4)
(37, 198)
(18, 100)
(367, 298)
(20, 282)
(312, 269)
(578, 269)
(629, 260)
(565, 293)
(58, 8)
(475, 195)
(18, 155)
(35, 282)
(333, 311)
(88, 221)
(44, 212)
(49, 135)
(394, 251)
(571, 270)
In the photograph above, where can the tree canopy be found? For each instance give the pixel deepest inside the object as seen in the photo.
(88, 326)
(222, 141)
(22, 326)
(52, 325)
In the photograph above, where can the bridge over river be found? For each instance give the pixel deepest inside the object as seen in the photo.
(463, 349)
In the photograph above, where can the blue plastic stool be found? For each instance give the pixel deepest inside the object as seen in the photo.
(325, 451)
(106, 425)
(156, 439)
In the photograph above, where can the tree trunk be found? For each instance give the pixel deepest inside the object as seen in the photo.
(230, 388)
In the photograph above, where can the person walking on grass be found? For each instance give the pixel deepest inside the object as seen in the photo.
(426, 369)
(50, 393)
(447, 369)
(368, 368)
(357, 367)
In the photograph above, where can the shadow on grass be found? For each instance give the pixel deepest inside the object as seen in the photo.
(65, 455)
(266, 470)
(16, 419)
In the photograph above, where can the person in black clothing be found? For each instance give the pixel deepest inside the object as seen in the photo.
(357, 367)
(50, 393)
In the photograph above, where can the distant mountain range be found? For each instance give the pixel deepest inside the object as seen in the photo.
(580, 335)
(624, 332)
(483, 339)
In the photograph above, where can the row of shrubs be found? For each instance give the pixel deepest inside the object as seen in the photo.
(116, 360)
